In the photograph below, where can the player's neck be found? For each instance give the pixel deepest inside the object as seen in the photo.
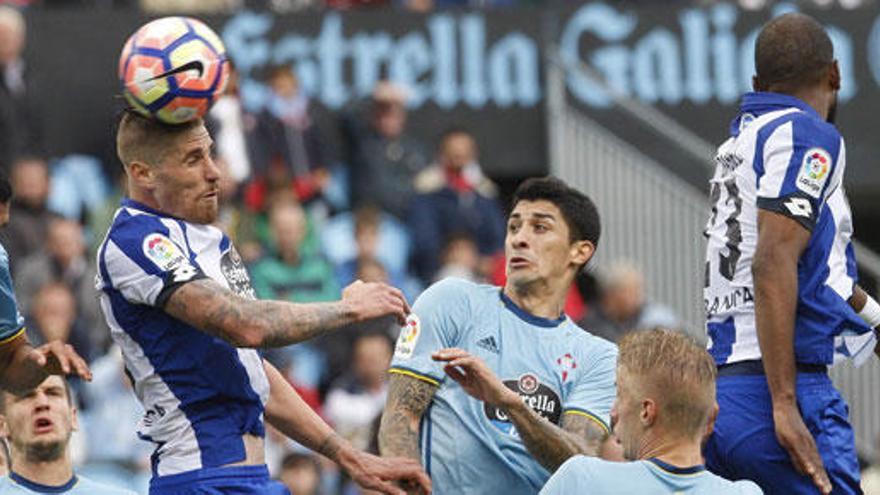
(674, 451)
(538, 301)
(143, 198)
(51, 473)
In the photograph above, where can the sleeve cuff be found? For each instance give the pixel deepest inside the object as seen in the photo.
(12, 337)
(399, 370)
(795, 207)
(587, 414)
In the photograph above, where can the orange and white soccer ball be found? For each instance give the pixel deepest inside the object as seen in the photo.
(172, 69)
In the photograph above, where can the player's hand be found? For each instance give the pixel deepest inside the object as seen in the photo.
(58, 358)
(381, 474)
(793, 434)
(475, 377)
(366, 301)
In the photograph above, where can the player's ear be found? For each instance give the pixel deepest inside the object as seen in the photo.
(834, 76)
(648, 414)
(4, 426)
(710, 425)
(74, 419)
(756, 84)
(581, 252)
(142, 173)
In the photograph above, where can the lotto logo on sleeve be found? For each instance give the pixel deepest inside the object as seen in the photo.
(814, 171)
(409, 336)
(161, 251)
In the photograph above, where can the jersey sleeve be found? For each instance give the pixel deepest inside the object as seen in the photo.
(11, 321)
(435, 323)
(571, 477)
(141, 260)
(800, 165)
(593, 393)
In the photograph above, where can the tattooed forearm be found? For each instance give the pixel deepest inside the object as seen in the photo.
(408, 398)
(212, 308)
(551, 445)
(330, 446)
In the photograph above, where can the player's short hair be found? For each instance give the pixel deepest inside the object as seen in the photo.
(296, 460)
(5, 189)
(577, 208)
(67, 392)
(146, 140)
(675, 371)
(792, 51)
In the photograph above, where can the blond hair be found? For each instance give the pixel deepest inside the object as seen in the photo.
(676, 372)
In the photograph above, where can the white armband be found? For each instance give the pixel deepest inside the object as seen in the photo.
(871, 312)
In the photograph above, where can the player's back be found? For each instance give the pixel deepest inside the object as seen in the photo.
(783, 158)
(16, 485)
(592, 476)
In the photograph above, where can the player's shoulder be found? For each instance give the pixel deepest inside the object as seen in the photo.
(594, 345)
(806, 127)
(727, 487)
(455, 289)
(131, 225)
(87, 486)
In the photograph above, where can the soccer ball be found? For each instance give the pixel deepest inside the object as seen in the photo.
(172, 68)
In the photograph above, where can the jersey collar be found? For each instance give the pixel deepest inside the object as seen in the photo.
(528, 317)
(669, 468)
(37, 487)
(755, 104)
(130, 203)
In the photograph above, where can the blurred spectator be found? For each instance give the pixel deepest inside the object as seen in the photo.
(291, 272)
(382, 157)
(52, 316)
(232, 128)
(367, 238)
(287, 149)
(176, 7)
(358, 397)
(871, 473)
(19, 115)
(29, 219)
(454, 197)
(368, 232)
(622, 305)
(301, 474)
(460, 259)
(64, 259)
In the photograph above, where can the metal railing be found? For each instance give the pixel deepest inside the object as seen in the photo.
(656, 219)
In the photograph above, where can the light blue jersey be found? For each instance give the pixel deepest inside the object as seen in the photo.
(592, 476)
(11, 321)
(16, 485)
(555, 366)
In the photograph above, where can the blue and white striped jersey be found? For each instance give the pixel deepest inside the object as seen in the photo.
(200, 393)
(781, 156)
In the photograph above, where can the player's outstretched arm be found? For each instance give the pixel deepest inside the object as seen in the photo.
(549, 444)
(23, 367)
(287, 412)
(408, 398)
(781, 240)
(208, 306)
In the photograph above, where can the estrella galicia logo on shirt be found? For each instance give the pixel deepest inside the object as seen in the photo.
(539, 397)
(236, 274)
(814, 171)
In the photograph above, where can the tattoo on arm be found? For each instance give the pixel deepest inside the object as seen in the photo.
(551, 445)
(408, 398)
(330, 446)
(208, 306)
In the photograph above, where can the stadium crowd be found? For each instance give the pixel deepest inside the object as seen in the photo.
(307, 221)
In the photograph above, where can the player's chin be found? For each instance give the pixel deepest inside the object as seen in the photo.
(207, 212)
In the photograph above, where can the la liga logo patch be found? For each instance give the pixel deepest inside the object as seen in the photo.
(408, 338)
(161, 251)
(814, 171)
